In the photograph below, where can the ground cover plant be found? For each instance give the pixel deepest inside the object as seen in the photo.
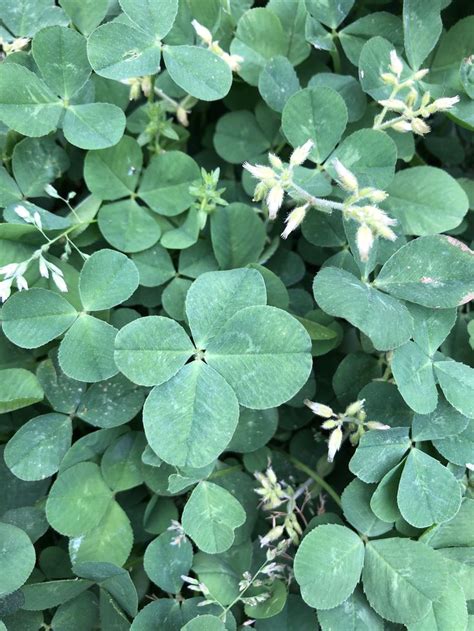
(236, 345)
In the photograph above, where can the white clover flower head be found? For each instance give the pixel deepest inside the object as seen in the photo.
(320, 409)
(445, 103)
(275, 200)
(202, 32)
(301, 153)
(396, 64)
(365, 241)
(334, 443)
(294, 219)
(346, 178)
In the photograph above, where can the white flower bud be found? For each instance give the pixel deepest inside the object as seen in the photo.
(5, 289)
(334, 443)
(419, 127)
(43, 268)
(377, 196)
(376, 425)
(259, 171)
(60, 282)
(355, 408)
(272, 535)
(346, 178)
(275, 161)
(365, 241)
(420, 74)
(329, 424)
(21, 283)
(401, 126)
(300, 154)
(23, 213)
(396, 64)
(233, 61)
(294, 219)
(9, 270)
(51, 191)
(393, 104)
(275, 200)
(445, 103)
(319, 409)
(37, 220)
(202, 32)
(388, 78)
(386, 233)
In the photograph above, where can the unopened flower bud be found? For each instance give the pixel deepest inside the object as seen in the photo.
(272, 535)
(294, 219)
(376, 425)
(355, 408)
(388, 78)
(419, 127)
(329, 424)
(334, 443)
(393, 104)
(300, 154)
(275, 161)
(274, 200)
(202, 32)
(377, 196)
(420, 74)
(260, 171)
(319, 409)
(365, 241)
(346, 178)
(445, 103)
(401, 126)
(23, 213)
(396, 64)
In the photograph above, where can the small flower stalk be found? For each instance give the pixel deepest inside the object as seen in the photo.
(414, 107)
(205, 35)
(354, 418)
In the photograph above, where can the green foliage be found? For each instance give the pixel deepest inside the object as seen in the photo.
(236, 341)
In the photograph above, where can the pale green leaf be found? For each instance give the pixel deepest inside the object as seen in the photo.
(216, 296)
(413, 372)
(263, 353)
(35, 317)
(211, 516)
(107, 279)
(93, 125)
(37, 448)
(190, 419)
(151, 350)
(329, 546)
(17, 558)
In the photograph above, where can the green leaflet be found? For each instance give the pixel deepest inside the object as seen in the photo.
(211, 516)
(17, 559)
(190, 419)
(334, 545)
(402, 578)
(363, 306)
(428, 492)
(431, 271)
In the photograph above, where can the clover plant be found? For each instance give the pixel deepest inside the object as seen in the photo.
(236, 344)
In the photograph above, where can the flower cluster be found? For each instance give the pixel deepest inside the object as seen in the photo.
(15, 45)
(354, 416)
(233, 61)
(277, 179)
(415, 107)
